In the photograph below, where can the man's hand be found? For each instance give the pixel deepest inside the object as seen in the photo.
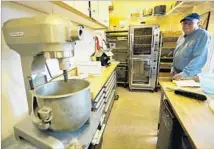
(177, 76)
(172, 73)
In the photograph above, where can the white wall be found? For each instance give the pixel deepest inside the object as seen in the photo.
(201, 9)
(14, 102)
(210, 63)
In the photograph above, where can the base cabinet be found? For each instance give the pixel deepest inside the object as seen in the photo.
(171, 134)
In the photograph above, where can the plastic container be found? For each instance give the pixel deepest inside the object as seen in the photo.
(207, 82)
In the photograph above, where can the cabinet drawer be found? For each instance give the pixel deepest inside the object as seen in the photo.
(111, 83)
(109, 101)
(109, 91)
(99, 104)
(99, 95)
(110, 79)
(109, 106)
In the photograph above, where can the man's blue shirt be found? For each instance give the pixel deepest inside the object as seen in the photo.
(191, 52)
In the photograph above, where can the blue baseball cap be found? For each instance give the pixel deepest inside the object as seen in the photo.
(191, 17)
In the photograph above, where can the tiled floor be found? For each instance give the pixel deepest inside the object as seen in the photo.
(133, 121)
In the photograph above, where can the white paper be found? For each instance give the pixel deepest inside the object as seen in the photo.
(187, 83)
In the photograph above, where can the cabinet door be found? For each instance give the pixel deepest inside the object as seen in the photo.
(82, 6)
(141, 41)
(166, 129)
(70, 3)
(95, 10)
(103, 12)
(99, 11)
(140, 72)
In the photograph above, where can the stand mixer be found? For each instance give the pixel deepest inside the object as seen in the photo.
(37, 39)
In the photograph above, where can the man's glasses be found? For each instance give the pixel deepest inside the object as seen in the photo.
(189, 23)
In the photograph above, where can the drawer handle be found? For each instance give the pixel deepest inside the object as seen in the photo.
(102, 119)
(97, 137)
(109, 80)
(101, 101)
(110, 87)
(110, 99)
(99, 95)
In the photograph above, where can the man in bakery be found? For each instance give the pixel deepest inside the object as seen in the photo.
(191, 50)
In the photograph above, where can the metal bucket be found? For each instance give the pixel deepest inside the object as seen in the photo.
(62, 106)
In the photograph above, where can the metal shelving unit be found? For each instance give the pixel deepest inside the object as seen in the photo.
(118, 41)
(183, 6)
(166, 57)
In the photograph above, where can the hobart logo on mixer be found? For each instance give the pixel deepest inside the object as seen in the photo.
(16, 34)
